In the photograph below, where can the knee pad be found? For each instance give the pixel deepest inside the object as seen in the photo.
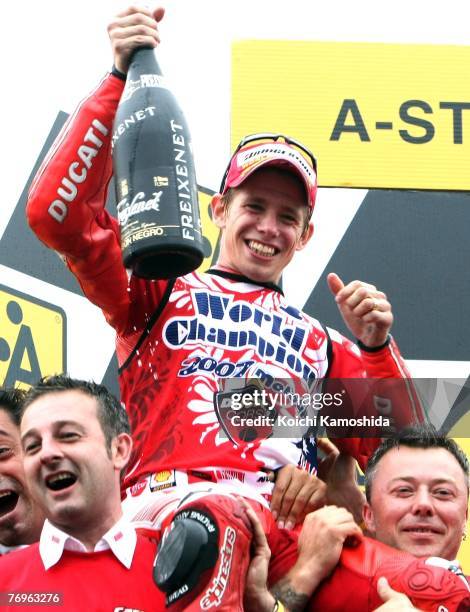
(187, 554)
(428, 586)
(353, 584)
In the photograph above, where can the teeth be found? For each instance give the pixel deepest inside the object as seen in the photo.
(5, 493)
(62, 480)
(261, 249)
(58, 477)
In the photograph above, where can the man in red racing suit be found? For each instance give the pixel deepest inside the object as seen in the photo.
(181, 342)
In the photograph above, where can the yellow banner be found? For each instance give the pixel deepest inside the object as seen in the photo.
(32, 339)
(375, 115)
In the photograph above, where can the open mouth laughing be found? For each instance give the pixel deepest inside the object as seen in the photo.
(60, 481)
(8, 501)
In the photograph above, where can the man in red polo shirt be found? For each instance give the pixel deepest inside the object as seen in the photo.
(76, 442)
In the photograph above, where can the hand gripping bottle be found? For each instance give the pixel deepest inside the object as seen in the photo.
(155, 180)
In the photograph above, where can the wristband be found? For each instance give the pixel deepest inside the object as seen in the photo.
(279, 606)
(117, 73)
(374, 349)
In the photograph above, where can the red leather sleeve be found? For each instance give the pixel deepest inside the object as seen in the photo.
(66, 210)
(381, 385)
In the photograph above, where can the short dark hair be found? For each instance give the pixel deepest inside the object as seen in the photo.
(111, 413)
(416, 436)
(11, 401)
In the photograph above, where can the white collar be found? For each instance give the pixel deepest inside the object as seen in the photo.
(121, 539)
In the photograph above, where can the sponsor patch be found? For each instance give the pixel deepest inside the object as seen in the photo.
(214, 594)
(162, 480)
(138, 488)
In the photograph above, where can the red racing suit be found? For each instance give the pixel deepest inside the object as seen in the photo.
(181, 343)
(433, 584)
(177, 341)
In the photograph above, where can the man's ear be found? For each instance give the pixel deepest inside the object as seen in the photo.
(219, 211)
(306, 235)
(464, 523)
(121, 447)
(369, 520)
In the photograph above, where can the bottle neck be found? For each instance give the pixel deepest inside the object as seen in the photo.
(144, 61)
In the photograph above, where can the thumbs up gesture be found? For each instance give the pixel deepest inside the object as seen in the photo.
(365, 310)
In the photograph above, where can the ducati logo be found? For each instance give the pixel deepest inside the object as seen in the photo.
(248, 423)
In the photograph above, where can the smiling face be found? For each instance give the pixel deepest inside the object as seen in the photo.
(20, 518)
(73, 475)
(418, 502)
(263, 225)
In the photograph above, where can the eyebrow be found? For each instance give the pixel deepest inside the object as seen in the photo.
(5, 433)
(286, 208)
(57, 425)
(412, 479)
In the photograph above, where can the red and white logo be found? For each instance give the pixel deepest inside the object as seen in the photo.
(138, 488)
(214, 594)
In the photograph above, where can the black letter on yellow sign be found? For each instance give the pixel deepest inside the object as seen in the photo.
(24, 345)
(426, 125)
(456, 108)
(350, 106)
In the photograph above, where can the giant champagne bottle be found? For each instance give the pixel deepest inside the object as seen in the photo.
(155, 180)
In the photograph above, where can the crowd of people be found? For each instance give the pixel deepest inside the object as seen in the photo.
(142, 503)
(64, 447)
